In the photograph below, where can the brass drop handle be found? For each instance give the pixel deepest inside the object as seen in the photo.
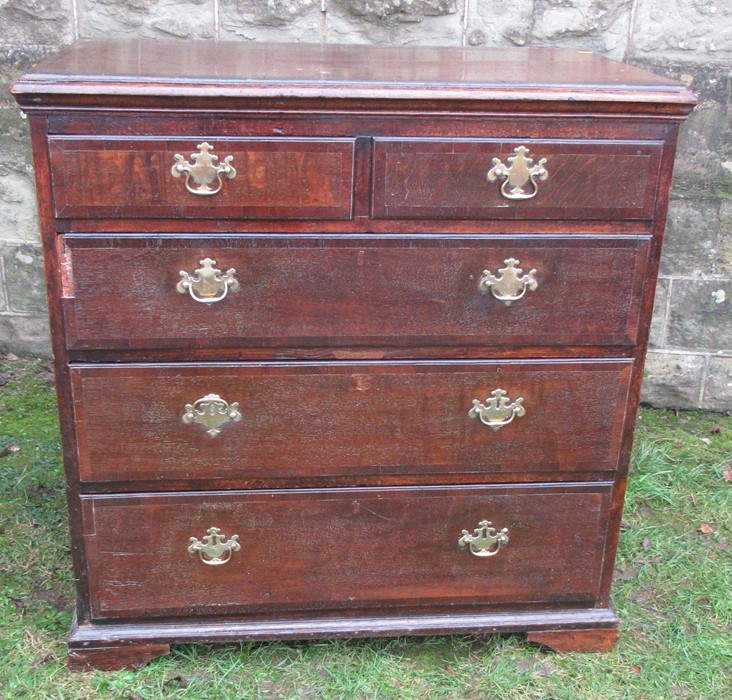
(497, 410)
(485, 540)
(212, 412)
(214, 549)
(520, 173)
(207, 284)
(510, 285)
(204, 170)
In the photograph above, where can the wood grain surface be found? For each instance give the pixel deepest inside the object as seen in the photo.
(340, 292)
(204, 74)
(446, 179)
(304, 420)
(342, 549)
(275, 178)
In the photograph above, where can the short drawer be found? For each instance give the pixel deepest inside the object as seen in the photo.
(448, 178)
(118, 177)
(295, 422)
(340, 549)
(335, 292)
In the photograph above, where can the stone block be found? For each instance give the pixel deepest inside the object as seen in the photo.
(26, 334)
(401, 11)
(36, 22)
(587, 24)
(718, 386)
(700, 315)
(15, 151)
(499, 23)
(271, 20)
(724, 257)
(692, 238)
(600, 25)
(703, 164)
(18, 208)
(187, 19)
(658, 322)
(24, 278)
(4, 308)
(704, 157)
(672, 380)
(423, 22)
(679, 30)
(16, 60)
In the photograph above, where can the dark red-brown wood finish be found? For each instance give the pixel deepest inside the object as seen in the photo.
(361, 225)
(345, 420)
(275, 179)
(343, 292)
(445, 179)
(376, 549)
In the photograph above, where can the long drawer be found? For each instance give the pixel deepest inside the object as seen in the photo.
(299, 421)
(155, 555)
(278, 178)
(493, 179)
(334, 291)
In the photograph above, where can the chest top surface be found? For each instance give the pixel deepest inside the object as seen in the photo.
(147, 68)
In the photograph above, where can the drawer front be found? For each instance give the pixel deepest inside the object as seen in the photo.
(445, 179)
(119, 178)
(342, 548)
(330, 292)
(313, 419)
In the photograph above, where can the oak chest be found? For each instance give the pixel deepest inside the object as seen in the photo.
(348, 340)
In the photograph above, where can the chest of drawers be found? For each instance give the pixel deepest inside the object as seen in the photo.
(348, 340)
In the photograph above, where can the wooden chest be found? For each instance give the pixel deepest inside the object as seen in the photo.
(348, 340)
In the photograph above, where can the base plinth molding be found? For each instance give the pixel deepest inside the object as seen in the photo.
(116, 645)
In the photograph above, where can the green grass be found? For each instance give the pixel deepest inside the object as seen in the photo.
(673, 593)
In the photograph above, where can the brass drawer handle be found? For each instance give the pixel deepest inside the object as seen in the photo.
(511, 285)
(204, 170)
(518, 174)
(214, 549)
(207, 284)
(485, 540)
(497, 411)
(212, 412)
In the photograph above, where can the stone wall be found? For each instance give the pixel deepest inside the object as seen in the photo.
(690, 363)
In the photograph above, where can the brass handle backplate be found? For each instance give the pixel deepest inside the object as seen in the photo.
(212, 412)
(497, 410)
(485, 540)
(510, 285)
(214, 549)
(207, 284)
(520, 173)
(204, 171)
